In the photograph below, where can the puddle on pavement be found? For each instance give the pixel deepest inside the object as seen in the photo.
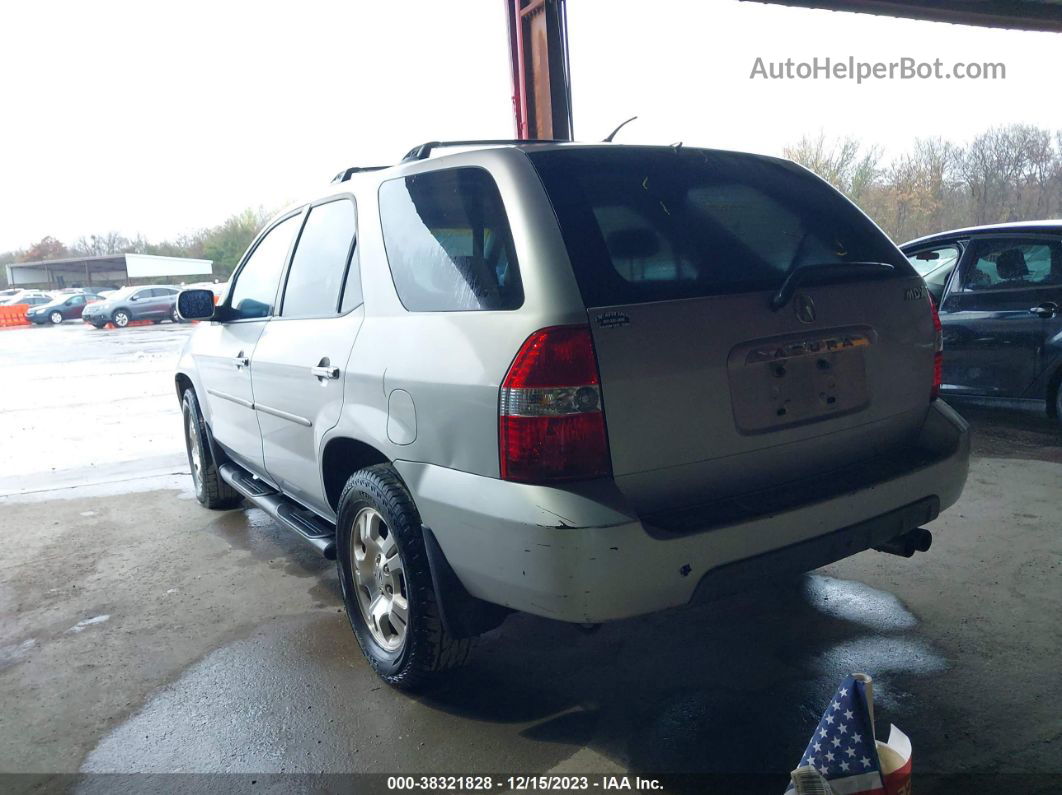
(858, 603)
(885, 659)
(16, 652)
(252, 530)
(84, 624)
(729, 686)
(297, 696)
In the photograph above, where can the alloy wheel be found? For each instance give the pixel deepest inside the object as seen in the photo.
(379, 579)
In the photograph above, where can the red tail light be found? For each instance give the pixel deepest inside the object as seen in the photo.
(938, 351)
(551, 423)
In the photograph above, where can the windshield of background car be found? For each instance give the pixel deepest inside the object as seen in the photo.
(125, 292)
(646, 225)
(938, 259)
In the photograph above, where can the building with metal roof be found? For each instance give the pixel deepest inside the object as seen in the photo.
(113, 269)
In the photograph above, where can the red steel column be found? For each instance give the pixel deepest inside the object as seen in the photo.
(538, 50)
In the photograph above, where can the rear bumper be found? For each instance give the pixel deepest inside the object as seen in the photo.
(584, 557)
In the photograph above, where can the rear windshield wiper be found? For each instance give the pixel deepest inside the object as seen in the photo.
(825, 271)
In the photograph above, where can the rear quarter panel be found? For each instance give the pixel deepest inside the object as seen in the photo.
(451, 364)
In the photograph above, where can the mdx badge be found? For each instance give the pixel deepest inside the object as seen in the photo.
(804, 308)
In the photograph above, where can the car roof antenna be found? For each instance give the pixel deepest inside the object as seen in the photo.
(612, 134)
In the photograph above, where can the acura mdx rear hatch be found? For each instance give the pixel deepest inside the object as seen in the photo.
(752, 327)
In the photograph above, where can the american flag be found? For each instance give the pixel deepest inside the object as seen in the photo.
(842, 748)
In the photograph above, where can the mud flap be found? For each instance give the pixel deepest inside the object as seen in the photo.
(463, 615)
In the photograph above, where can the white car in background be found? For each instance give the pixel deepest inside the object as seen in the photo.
(29, 297)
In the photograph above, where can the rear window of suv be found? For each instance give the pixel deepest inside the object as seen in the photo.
(646, 225)
(448, 242)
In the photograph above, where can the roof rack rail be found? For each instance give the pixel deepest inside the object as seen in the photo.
(421, 152)
(344, 175)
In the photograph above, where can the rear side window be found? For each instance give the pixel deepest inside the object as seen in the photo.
(256, 284)
(1013, 264)
(448, 242)
(647, 225)
(319, 265)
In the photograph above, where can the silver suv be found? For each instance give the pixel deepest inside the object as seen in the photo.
(581, 381)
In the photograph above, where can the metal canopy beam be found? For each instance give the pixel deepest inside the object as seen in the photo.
(538, 45)
(1022, 14)
(538, 49)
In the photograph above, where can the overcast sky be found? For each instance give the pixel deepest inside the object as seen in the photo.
(160, 119)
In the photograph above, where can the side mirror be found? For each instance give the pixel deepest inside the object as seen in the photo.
(195, 304)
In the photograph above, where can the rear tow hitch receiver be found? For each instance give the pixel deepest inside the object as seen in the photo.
(917, 540)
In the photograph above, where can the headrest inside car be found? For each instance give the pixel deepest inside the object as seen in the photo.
(1010, 264)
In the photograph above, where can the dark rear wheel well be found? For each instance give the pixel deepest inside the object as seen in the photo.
(342, 458)
(183, 382)
(1052, 392)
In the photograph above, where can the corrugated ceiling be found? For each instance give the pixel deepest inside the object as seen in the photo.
(1023, 14)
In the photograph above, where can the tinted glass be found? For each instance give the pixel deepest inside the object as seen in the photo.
(1013, 264)
(448, 242)
(256, 285)
(648, 225)
(320, 261)
(931, 262)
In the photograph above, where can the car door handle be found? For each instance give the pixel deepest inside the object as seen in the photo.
(322, 371)
(1046, 309)
(241, 361)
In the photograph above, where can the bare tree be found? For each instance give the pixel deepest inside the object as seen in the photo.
(1004, 174)
(102, 245)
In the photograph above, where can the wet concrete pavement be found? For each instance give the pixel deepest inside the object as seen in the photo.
(84, 405)
(141, 632)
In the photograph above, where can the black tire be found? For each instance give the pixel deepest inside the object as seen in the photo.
(210, 489)
(121, 318)
(1058, 400)
(56, 318)
(427, 648)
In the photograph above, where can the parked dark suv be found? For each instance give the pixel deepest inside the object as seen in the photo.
(153, 302)
(1000, 310)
